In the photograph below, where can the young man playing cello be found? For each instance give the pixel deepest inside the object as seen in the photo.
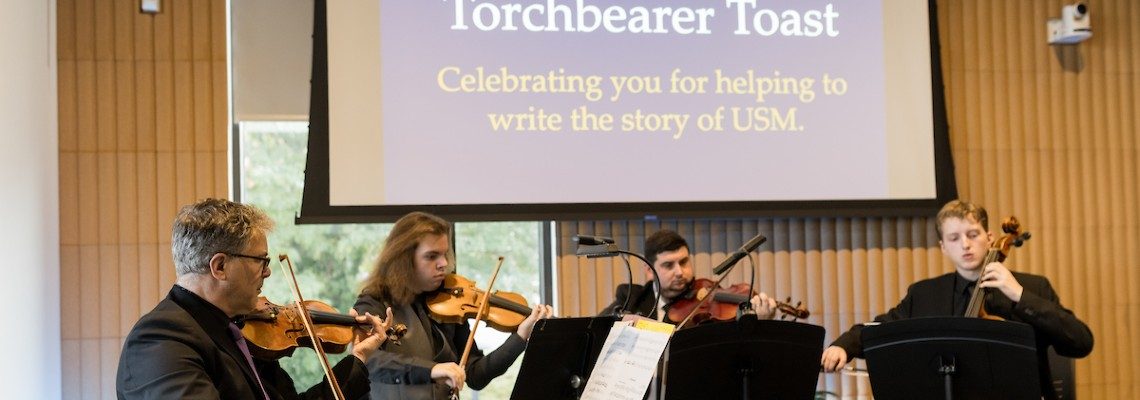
(965, 239)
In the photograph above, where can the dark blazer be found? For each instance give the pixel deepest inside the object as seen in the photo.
(182, 349)
(1053, 325)
(642, 301)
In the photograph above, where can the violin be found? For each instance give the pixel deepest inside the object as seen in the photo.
(458, 299)
(274, 331)
(461, 292)
(998, 252)
(724, 304)
(306, 320)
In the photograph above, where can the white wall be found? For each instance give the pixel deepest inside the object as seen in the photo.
(29, 205)
(272, 59)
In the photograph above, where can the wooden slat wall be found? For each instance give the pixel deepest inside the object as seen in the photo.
(143, 130)
(845, 270)
(1048, 133)
(1044, 133)
(1041, 132)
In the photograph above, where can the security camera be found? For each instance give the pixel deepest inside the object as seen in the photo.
(1079, 10)
(1072, 27)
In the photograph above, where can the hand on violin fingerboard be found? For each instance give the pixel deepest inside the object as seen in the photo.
(366, 341)
(540, 311)
(764, 306)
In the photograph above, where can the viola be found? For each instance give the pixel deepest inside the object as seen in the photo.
(458, 299)
(275, 331)
(998, 252)
(724, 304)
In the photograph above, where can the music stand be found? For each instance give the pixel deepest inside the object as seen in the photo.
(952, 357)
(1061, 368)
(745, 359)
(560, 356)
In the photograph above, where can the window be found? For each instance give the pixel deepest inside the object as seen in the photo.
(331, 260)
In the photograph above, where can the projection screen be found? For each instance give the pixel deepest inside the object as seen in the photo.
(552, 109)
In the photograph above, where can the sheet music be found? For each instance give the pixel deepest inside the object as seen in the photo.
(627, 361)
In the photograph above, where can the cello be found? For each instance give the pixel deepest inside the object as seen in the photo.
(998, 252)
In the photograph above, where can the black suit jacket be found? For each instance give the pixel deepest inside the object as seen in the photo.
(643, 302)
(1053, 325)
(182, 349)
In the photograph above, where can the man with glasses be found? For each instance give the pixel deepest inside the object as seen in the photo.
(190, 345)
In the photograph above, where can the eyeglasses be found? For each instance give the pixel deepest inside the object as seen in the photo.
(264, 260)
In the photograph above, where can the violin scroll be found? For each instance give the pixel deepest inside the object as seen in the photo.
(798, 311)
(396, 334)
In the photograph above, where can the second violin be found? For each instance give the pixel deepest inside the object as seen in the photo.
(458, 299)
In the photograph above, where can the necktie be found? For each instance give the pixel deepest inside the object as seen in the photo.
(964, 299)
(240, 340)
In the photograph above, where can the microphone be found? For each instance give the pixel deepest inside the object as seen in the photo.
(741, 253)
(587, 240)
(595, 246)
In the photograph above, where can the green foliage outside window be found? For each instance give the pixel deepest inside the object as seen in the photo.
(332, 260)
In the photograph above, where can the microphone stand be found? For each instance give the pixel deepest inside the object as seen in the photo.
(611, 250)
(629, 296)
(746, 307)
(708, 297)
(656, 278)
(745, 310)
